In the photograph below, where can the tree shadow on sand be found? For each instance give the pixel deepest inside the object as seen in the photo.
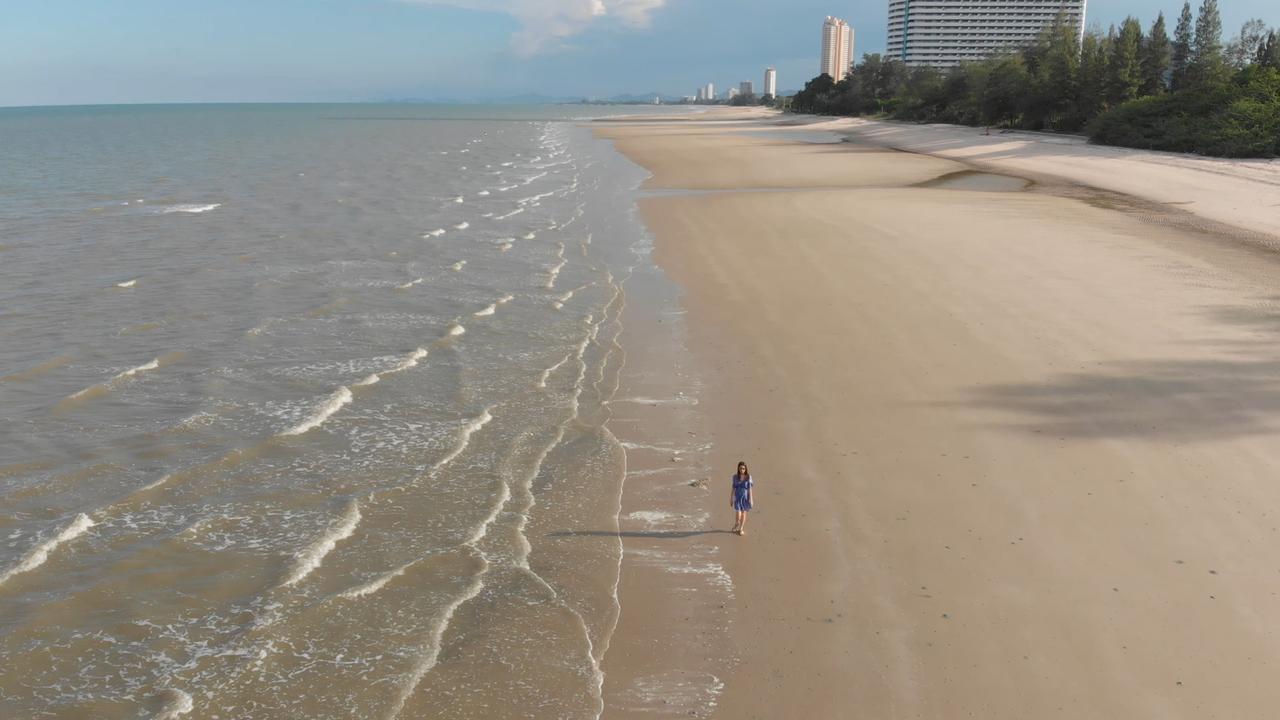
(1237, 395)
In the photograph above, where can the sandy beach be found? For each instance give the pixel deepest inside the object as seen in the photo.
(1014, 435)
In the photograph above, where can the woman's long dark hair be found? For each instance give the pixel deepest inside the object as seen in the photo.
(743, 465)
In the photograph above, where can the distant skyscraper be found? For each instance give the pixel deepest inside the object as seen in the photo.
(702, 94)
(711, 92)
(746, 87)
(771, 82)
(837, 47)
(943, 33)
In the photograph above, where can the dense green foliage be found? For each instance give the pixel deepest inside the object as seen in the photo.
(1237, 119)
(1191, 93)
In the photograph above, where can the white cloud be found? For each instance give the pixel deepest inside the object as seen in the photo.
(544, 24)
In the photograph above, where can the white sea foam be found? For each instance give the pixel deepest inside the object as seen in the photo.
(331, 405)
(459, 199)
(554, 272)
(36, 556)
(178, 703)
(456, 329)
(103, 387)
(560, 301)
(530, 236)
(658, 518)
(494, 306)
(163, 479)
(409, 284)
(435, 233)
(376, 584)
(310, 559)
(513, 213)
(462, 225)
(464, 439)
(483, 193)
(459, 265)
(533, 199)
(482, 528)
(190, 208)
(432, 654)
(368, 380)
(542, 381)
(141, 368)
(127, 283)
(410, 361)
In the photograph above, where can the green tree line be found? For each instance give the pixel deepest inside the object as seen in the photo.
(1189, 92)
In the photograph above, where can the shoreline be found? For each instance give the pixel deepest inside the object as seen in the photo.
(982, 438)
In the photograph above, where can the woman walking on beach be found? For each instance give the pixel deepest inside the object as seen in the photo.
(740, 498)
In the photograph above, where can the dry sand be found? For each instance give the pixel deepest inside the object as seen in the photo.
(1239, 192)
(1016, 452)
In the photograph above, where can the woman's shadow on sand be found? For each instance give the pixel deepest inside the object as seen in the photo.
(654, 534)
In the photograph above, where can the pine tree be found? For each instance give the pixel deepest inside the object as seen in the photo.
(1052, 64)
(1155, 59)
(1242, 51)
(1124, 75)
(1207, 65)
(1093, 77)
(1269, 52)
(1180, 62)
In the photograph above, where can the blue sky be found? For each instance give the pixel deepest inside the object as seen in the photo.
(112, 51)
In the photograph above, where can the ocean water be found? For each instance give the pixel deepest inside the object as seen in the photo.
(301, 407)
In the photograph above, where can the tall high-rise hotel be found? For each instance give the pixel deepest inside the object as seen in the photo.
(837, 48)
(943, 33)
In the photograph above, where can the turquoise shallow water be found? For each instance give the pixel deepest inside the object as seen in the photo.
(297, 402)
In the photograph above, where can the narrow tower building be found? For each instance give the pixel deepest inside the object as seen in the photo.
(837, 48)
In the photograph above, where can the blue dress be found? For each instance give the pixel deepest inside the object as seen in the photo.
(741, 493)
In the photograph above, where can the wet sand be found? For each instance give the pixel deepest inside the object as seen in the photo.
(1015, 447)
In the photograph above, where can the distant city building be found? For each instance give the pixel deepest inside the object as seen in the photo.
(746, 87)
(771, 82)
(711, 92)
(733, 93)
(837, 47)
(944, 33)
(702, 94)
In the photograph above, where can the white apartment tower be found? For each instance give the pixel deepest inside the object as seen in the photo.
(771, 82)
(837, 48)
(710, 92)
(944, 33)
(746, 87)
